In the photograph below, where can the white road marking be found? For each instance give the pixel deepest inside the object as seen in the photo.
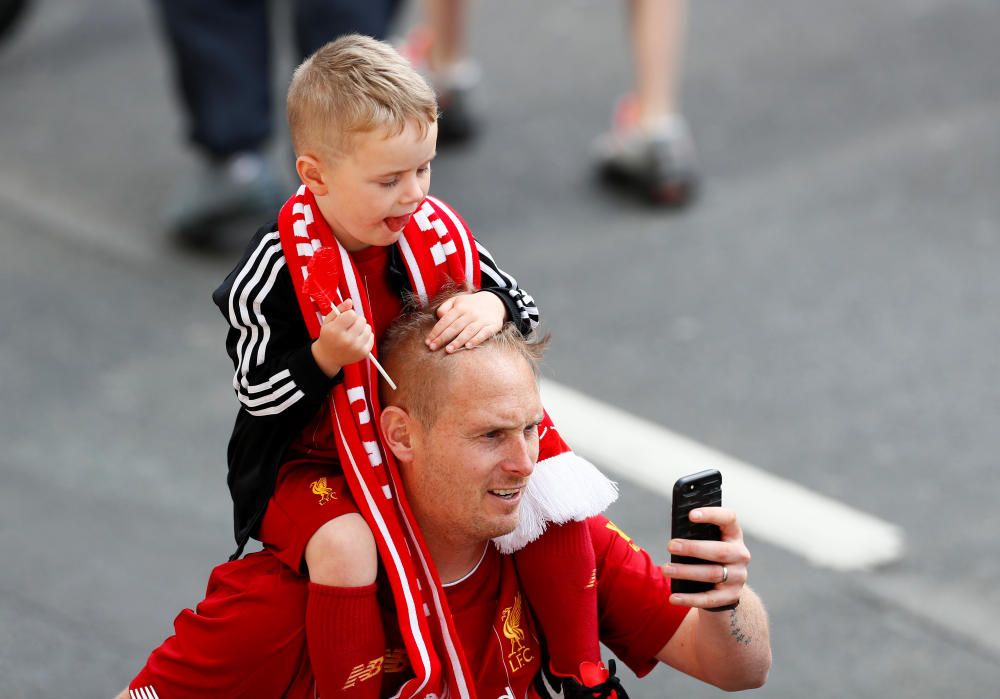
(71, 222)
(824, 531)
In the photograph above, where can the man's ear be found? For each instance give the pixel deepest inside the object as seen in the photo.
(311, 174)
(398, 432)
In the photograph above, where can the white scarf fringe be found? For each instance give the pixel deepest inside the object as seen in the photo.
(563, 488)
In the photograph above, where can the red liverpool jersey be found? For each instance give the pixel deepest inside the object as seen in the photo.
(247, 638)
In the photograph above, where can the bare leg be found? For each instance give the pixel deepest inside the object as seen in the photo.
(343, 562)
(453, 75)
(657, 32)
(649, 151)
(446, 20)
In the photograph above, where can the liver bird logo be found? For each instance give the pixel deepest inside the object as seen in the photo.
(511, 617)
(325, 492)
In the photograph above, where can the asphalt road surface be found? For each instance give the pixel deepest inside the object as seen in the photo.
(826, 313)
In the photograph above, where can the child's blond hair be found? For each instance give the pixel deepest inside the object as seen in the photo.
(355, 84)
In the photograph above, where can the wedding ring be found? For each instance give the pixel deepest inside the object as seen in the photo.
(725, 574)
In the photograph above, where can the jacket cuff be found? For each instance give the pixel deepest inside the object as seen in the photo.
(308, 376)
(513, 310)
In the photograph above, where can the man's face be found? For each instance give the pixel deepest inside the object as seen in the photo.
(471, 466)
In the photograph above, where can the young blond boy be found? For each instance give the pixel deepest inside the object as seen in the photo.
(363, 124)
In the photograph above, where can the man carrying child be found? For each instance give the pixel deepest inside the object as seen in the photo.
(463, 429)
(308, 472)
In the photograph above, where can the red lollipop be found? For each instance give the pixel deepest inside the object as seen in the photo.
(323, 279)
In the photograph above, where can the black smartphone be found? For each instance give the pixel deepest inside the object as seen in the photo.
(702, 489)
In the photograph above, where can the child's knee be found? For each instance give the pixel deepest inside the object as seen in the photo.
(342, 553)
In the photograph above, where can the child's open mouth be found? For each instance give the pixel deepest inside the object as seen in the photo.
(397, 223)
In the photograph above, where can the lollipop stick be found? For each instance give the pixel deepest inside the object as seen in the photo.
(385, 374)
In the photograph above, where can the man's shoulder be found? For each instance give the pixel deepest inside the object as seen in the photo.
(257, 574)
(256, 592)
(614, 549)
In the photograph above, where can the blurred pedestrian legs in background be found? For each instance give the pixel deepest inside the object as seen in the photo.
(221, 52)
(11, 12)
(436, 47)
(648, 150)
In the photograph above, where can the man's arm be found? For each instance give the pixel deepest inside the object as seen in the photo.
(245, 638)
(730, 649)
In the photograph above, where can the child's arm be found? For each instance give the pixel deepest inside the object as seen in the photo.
(343, 339)
(467, 320)
(520, 306)
(277, 378)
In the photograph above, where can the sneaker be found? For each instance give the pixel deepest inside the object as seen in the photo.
(459, 119)
(594, 682)
(245, 184)
(457, 89)
(656, 162)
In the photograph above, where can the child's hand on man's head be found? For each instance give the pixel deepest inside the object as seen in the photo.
(344, 338)
(466, 321)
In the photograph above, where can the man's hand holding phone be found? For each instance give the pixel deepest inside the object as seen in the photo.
(708, 572)
(724, 565)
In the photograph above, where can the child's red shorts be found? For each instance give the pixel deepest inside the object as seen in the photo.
(308, 493)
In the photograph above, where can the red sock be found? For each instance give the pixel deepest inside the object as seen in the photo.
(346, 641)
(558, 575)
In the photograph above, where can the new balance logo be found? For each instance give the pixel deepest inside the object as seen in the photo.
(395, 660)
(363, 672)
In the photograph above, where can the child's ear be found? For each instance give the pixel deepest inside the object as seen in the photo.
(311, 174)
(398, 432)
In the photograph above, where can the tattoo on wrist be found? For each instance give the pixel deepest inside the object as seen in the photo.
(735, 631)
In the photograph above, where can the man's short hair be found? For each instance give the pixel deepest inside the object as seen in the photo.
(421, 375)
(353, 85)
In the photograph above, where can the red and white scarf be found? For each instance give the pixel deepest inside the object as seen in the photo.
(437, 248)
